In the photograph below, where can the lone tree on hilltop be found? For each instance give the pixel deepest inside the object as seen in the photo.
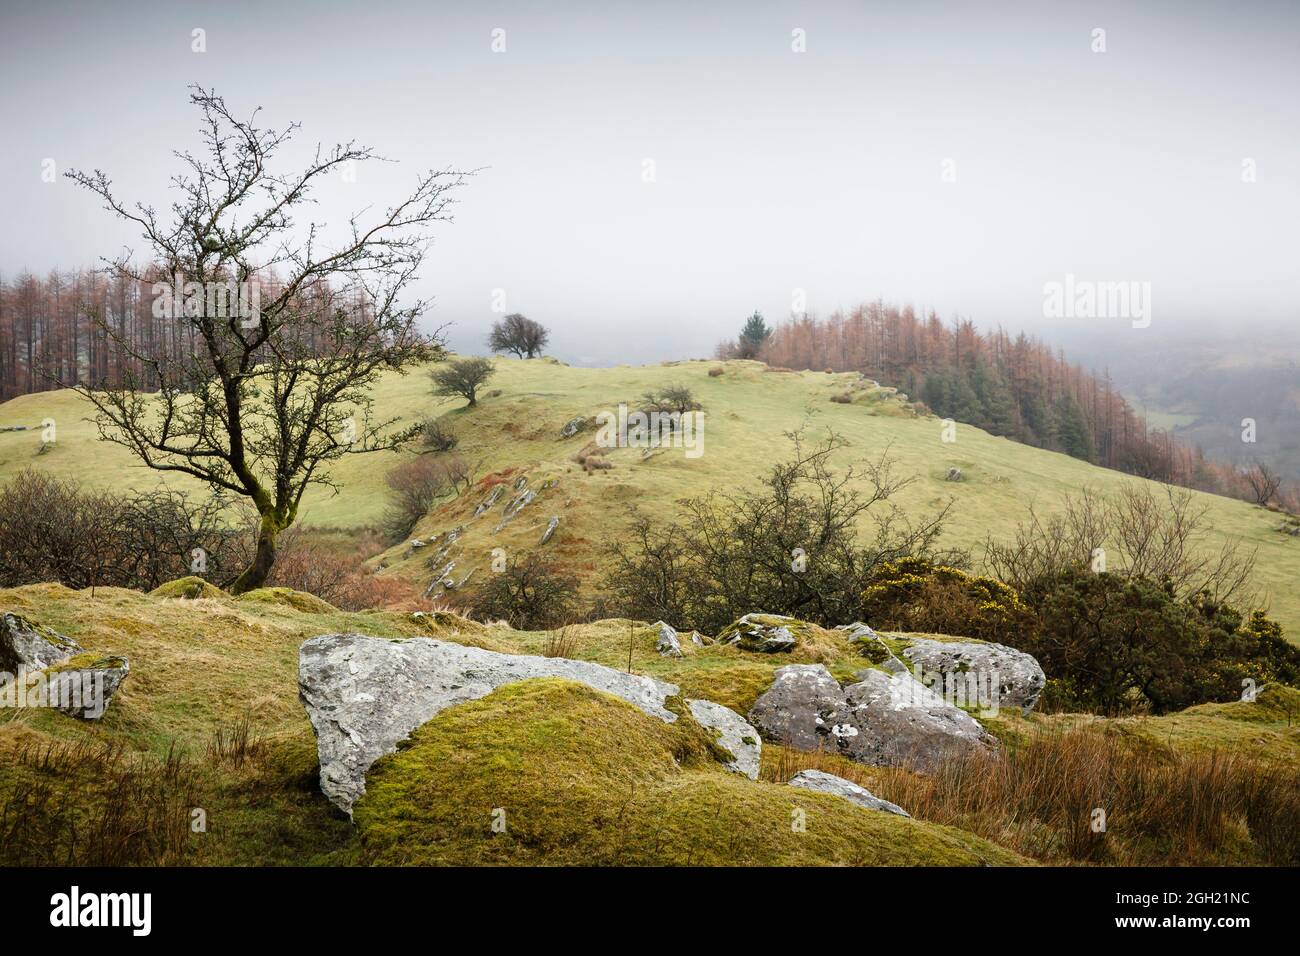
(265, 399)
(753, 336)
(462, 377)
(518, 334)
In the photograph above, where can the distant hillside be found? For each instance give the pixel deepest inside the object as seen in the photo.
(516, 430)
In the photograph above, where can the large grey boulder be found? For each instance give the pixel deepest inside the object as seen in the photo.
(25, 646)
(977, 668)
(805, 708)
(736, 735)
(884, 719)
(901, 722)
(823, 782)
(365, 694)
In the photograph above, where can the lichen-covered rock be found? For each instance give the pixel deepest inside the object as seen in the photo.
(858, 632)
(765, 633)
(493, 497)
(517, 504)
(1017, 676)
(829, 783)
(573, 426)
(736, 735)
(84, 685)
(667, 643)
(366, 694)
(884, 719)
(550, 529)
(900, 722)
(801, 708)
(25, 646)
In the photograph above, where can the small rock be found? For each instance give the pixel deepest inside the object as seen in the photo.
(736, 735)
(1016, 677)
(493, 497)
(667, 643)
(765, 633)
(573, 426)
(954, 474)
(85, 691)
(550, 529)
(823, 782)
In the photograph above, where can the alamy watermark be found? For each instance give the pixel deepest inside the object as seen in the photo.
(1090, 299)
(656, 429)
(226, 299)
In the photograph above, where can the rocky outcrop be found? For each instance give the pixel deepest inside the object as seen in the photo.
(1015, 677)
(667, 642)
(365, 694)
(84, 689)
(25, 646)
(884, 719)
(41, 668)
(822, 782)
(765, 633)
(735, 735)
(573, 426)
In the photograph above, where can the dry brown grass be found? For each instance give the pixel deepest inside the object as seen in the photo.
(87, 804)
(1162, 806)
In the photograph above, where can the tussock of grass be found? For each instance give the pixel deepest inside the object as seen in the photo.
(298, 600)
(583, 778)
(189, 589)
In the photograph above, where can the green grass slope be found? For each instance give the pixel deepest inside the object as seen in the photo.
(748, 410)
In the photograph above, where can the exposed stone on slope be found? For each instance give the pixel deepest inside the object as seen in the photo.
(765, 633)
(829, 783)
(1018, 677)
(25, 646)
(736, 735)
(365, 694)
(667, 643)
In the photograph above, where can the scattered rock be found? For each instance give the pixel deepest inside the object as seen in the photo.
(954, 474)
(766, 633)
(516, 505)
(83, 688)
(736, 735)
(573, 426)
(25, 646)
(550, 529)
(667, 643)
(365, 694)
(493, 497)
(829, 783)
(1019, 677)
(521, 482)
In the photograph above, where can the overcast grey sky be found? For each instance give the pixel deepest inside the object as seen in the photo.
(774, 170)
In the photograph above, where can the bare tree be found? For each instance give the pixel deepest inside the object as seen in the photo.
(518, 334)
(1263, 481)
(263, 403)
(463, 377)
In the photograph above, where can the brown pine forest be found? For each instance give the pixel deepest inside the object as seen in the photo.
(1016, 386)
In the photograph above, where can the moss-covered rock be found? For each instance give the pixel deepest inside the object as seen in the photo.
(768, 633)
(549, 772)
(189, 589)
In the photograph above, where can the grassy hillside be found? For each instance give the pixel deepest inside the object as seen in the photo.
(748, 409)
(210, 719)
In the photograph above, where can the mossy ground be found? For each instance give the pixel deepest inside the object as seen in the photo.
(214, 680)
(569, 775)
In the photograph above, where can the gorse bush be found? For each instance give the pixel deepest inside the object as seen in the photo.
(914, 594)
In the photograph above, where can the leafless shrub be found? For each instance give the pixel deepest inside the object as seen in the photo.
(1161, 535)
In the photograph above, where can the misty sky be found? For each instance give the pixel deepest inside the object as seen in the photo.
(774, 170)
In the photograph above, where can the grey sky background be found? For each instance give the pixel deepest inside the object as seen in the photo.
(775, 170)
